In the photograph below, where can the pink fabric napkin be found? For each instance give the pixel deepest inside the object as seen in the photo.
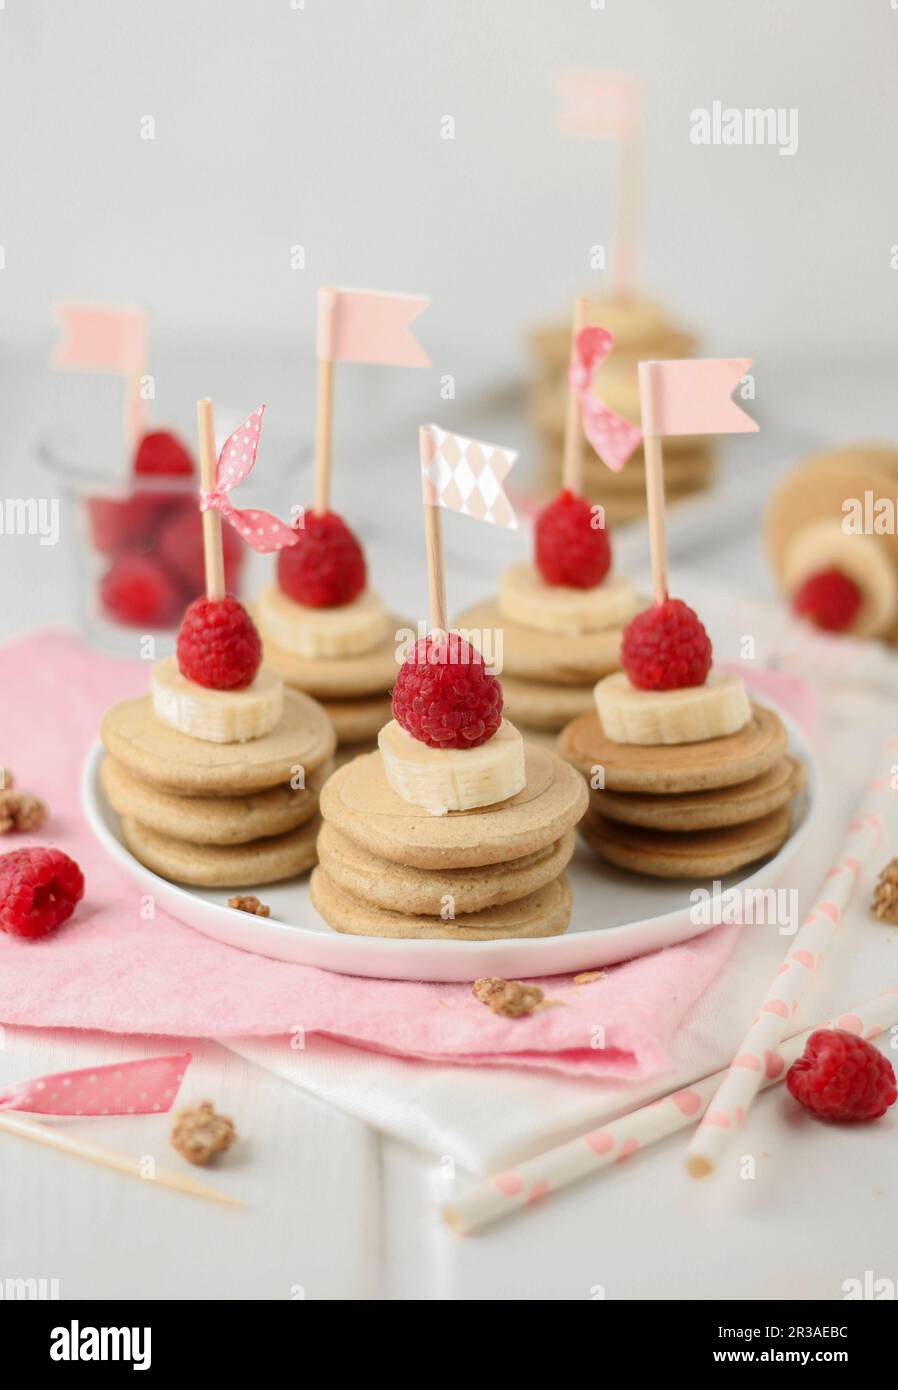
(109, 970)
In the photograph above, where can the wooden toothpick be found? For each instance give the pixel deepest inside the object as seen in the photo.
(623, 270)
(433, 540)
(572, 466)
(654, 494)
(212, 546)
(324, 436)
(109, 1158)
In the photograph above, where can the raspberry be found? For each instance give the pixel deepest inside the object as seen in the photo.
(570, 547)
(118, 524)
(181, 550)
(829, 599)
(326, 567)
(445, 697)
(135, 590)
(39, 889)
(218, 645)
(666, 648)
(842, 1077)
(162, 454)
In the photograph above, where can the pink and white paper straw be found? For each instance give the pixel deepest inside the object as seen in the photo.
(534, 1180)
(742, 1080)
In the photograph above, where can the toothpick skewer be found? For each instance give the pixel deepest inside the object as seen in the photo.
(212, 545)
(572, 466)
(324, 436)
(433, 539)
(654, 492)
(110, 1158)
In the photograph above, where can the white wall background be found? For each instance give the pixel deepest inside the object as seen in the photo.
(321, 126)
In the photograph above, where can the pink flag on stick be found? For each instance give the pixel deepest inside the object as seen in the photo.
(466, 475)
(613, 438)
(107, 338)
(693, 397)
(101, 338)
(369, 326)
(598, 105)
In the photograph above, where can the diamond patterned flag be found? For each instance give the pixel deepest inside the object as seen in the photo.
(466, 475)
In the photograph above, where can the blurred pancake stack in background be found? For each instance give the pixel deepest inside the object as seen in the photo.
(642, 330)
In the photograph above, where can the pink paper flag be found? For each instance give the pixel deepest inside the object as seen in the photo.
(466, 475)
(101, 338)
(693, 397)
(613, 438)
(369, 326)
(264, 532)
(598, 105)
(124, 1088)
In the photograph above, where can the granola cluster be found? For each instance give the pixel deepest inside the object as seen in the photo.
(18, 810)
(885, 895)
(511, 998)
(248, 902)
(199, 1134)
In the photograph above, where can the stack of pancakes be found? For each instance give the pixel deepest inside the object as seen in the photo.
(822, 516)
(687, 810)
(642, 331)
(388, 868)
(218, 815)
(548, 678)
(355, 691)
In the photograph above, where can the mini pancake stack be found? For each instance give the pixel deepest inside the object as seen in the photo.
(560, 619)
(641, 330)
(217, 787)
(452, 842)
(327, 634)
(831, 535)
(688, 782)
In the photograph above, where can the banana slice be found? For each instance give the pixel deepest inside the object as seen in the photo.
(526, 598)
(690, 715)
(218, 716)
(350, 630)
(453, 779)
(824, 545)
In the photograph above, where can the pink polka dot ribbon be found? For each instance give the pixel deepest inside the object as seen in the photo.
(259, 529)
(613, 438)
(125, 1088)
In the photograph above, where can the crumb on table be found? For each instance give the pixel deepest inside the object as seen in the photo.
(198, 1134)
(588, 977)
(885, 895)
(511, 998)
(248, 902)
(19, 810)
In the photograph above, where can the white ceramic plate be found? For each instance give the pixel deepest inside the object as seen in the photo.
(616, 915)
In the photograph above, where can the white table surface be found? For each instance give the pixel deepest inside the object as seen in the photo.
(335, 1211)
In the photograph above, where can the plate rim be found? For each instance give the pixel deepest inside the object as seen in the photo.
(343, 950)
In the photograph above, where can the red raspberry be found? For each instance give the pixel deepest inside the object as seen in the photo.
(161, 453)
(138, 592)
(571, 548)
(842, 1077)
(445, 697)
(326, 567)
(829, 599)
(181, 550)
(39, 889)
(118, 524)
(666, 648)
(218, 645)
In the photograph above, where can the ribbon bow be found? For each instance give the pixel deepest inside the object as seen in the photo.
(124, 1088)
(261, 530)
(612, 437)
